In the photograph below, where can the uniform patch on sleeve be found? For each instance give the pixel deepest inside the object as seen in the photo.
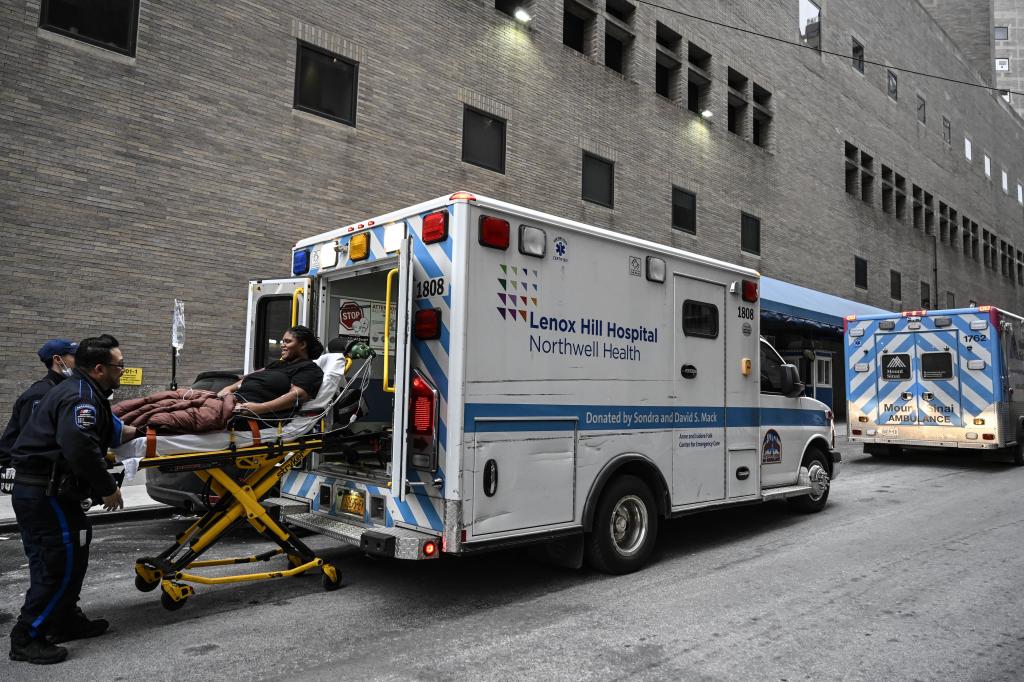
(85, 416)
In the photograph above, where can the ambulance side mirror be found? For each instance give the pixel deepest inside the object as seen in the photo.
(791, 386)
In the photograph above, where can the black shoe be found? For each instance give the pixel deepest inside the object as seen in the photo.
(78, 627)
(34, 650)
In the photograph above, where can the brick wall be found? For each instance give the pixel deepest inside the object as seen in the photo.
(184, 171)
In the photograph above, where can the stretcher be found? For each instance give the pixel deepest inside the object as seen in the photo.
(240, 467)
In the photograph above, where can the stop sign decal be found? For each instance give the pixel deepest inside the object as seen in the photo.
(351, 314)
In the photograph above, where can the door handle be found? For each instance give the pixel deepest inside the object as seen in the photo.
(928, 396)
(906, 395)
(688, 372)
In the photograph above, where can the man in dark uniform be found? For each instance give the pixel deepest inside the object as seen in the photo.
(59, 357)
(58, 461)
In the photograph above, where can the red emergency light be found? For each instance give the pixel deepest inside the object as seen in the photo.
(494, 232)
(435, 227)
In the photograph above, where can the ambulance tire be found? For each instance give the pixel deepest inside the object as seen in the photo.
(883, 451)
(1017, 452)
(625, 527)
(814, 501)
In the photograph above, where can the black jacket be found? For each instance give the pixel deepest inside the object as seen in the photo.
(23, 407)
(72, 426)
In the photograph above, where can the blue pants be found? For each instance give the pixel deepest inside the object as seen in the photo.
(56, 535)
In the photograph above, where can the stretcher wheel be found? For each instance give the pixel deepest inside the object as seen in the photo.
(169, 603)
(144, 585)
(331, 584)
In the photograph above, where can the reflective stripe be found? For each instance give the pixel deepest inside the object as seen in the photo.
(68, 567)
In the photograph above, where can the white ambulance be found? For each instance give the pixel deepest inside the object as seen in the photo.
(536, 380)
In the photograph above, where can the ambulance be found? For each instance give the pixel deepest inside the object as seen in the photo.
(522, 379)
(936, 378)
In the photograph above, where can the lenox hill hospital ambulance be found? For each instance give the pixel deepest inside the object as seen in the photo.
(538, 380)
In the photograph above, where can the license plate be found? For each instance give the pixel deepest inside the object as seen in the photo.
(353, 503)
(889, 431)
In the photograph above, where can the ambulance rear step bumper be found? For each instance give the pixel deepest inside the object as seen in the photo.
(396, 543)
(784, 492)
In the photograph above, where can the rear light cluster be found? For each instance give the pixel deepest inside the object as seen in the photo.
(422, 407)
(427, 324)
(435, 226)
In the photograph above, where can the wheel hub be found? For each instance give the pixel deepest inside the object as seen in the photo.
(819, 480)
(629, 524)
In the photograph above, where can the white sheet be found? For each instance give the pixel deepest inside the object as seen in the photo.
(333, 365)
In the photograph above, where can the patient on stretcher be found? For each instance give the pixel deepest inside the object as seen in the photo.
(266, 396)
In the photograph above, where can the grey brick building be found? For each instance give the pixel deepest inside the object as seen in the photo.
(168, 158)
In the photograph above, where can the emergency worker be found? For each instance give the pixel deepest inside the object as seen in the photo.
(58, 461)
(59, 357)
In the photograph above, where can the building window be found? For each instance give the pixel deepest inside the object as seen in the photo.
(893, 87)
(926, 295)
(684, 210)
(698, 83)
(950, 300)
(598, 180)
(325, 84)
(1006, 183)
(860, 272)
(616, 51)
(968, 149)
(509, 7)
(988, 166)
(668, 63)
(857, 53)
(895, 285)
(823, 372)
(577, 26)
(1007, 97)
(1020, 193)
(111, 24)
(947, 131)
(737, 102)
(1001, 33)
(762, 121)
(810, 24)
(483, 140)
(922, 116)
(1003, 64)
(750, 234)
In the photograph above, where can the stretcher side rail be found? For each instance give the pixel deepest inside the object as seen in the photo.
(193, 461)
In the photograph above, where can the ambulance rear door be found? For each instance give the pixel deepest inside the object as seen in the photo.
(275, 305)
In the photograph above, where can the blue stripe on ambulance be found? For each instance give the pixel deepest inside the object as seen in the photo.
(652, 417)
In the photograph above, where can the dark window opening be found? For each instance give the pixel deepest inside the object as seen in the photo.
(936, 366)
(483, 140)
(110, 24)
(273, 319)
(700, 319)
(621, 10)
(614, 53)
(750, 234)
(950, 300)
(598, 180)
(684, 210)
(858, 55)
(895, 285)
(860, 272)
(325, 84)
(926, 295)
(509, 7)
(575, 27)
(668, 66)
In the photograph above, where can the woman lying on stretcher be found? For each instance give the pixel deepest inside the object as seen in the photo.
(277, 391)
(273, 393)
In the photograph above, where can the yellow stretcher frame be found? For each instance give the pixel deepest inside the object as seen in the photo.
(262, 466)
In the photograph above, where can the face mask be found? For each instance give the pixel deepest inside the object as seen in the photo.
(64, 369)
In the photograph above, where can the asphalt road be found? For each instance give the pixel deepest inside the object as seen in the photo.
(915, 570)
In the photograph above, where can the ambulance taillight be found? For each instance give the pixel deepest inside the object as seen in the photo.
(494, 232)
(422, 407)
(749, 291)
(427, 324)
(435, 227)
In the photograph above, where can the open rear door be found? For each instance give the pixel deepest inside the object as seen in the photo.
(274, 306)
(396, 372)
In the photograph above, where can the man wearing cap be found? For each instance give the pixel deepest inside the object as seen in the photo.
(58, 461)
(59, 357)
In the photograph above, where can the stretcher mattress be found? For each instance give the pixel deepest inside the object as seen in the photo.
(333, 366)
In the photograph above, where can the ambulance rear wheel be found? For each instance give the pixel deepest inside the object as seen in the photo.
(625, 527)
(820, 481)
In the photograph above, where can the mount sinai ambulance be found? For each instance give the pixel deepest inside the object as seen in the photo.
(536, 380)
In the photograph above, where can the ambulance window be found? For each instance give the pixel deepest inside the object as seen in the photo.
(936, 366)
(273, 318)
(700, 319)
(771, 370)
